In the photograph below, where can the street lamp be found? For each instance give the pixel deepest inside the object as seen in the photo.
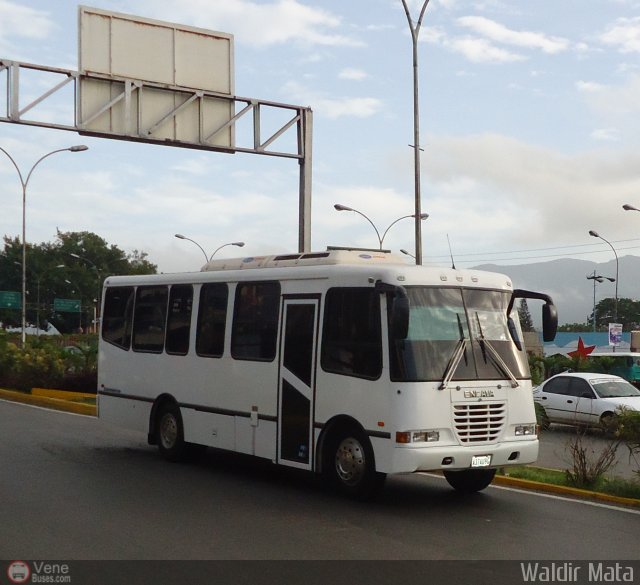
(96, 304)
(38, 280)
(628, 207)
(595, 234)
(407, 253)
(340, 207)
(597, 278)
(24, 183)
(208, 258)
(415, 32)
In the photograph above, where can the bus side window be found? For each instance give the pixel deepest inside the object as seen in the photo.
(212, 320)
(255, 321)
(149, 318)
(179, 319)
(352, 339)
(117, 316)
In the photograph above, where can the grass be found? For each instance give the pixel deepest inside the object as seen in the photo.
(612, 486)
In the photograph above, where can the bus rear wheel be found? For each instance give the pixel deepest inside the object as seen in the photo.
(350, 465)
(170, 433)
(469, 481)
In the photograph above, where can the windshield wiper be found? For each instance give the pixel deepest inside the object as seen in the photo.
(454, 362)
(495, 355)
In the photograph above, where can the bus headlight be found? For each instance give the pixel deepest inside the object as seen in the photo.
(428, 436)
(524, 430)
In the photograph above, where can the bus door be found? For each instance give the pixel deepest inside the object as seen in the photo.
(296, 385)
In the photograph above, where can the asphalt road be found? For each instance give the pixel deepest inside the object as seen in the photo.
(73, 488)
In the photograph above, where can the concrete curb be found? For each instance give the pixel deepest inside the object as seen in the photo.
(564, 491)
(51, 401)
(62, 400)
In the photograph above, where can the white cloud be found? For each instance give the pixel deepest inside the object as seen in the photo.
(21, 21)
(18, 21)
(606, 134)
(510, 194)
(353, 74)
(501, 34)
(258, 24)
(338, 107)
(614, 102)
(624, 33)
(589, 86)
(482, 51)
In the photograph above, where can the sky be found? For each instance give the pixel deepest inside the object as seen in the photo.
(529, 120)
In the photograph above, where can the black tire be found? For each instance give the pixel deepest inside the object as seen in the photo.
(469, 481)
(349, 465)
(609, 423)
(170, 433)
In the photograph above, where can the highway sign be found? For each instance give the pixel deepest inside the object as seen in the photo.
(66, 305)
(10, 299)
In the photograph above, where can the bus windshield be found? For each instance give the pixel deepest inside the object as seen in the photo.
(441, 320)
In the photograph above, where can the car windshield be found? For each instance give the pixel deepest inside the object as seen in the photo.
(614, 388)
(445, 321)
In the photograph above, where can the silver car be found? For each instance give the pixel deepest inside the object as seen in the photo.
(582, 398)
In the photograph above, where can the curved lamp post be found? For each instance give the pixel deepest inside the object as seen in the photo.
(415, 32)
(597, 278)
(208, 258)
(595, 234)
(340, 207)
(96, 304)
(24, 182)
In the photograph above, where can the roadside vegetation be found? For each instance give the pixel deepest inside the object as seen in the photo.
(62, 362)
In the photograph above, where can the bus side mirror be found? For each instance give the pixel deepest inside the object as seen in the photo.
(549, 322)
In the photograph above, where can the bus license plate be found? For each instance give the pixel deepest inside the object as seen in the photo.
(481, 461)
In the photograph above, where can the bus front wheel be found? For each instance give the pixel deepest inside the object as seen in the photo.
(469, 481)
(350, 465)
(170, 433)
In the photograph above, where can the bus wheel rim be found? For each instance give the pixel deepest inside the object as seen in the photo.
(350, 461)
(168, 431)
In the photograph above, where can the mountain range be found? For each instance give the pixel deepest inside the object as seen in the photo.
(566, 281)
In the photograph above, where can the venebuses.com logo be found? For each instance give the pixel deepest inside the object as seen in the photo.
(20, 572)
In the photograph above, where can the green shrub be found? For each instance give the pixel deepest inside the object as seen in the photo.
(49, 362)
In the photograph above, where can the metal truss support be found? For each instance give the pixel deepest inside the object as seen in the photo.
(123, 112)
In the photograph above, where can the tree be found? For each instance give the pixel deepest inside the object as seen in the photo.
(628, 313)
(73, 266)
(526, 322)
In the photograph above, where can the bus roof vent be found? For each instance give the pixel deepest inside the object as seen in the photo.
(332, 256)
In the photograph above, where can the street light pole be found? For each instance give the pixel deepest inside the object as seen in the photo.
(96, 304)
(597, 278)
(595, 234)
(415, 32)
(208, 258)
(340, 207)
(24, 183)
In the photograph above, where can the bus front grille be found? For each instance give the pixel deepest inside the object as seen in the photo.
(479, 422)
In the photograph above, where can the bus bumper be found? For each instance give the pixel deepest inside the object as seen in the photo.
(407, 459)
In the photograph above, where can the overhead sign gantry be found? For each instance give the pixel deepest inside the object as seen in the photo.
(163, 83)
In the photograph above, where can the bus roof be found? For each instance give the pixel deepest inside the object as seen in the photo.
(331, 256)
(362, 265)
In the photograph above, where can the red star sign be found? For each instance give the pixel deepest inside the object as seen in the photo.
(582, 351)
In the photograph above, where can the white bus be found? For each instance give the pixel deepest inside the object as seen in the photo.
(348, 363)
